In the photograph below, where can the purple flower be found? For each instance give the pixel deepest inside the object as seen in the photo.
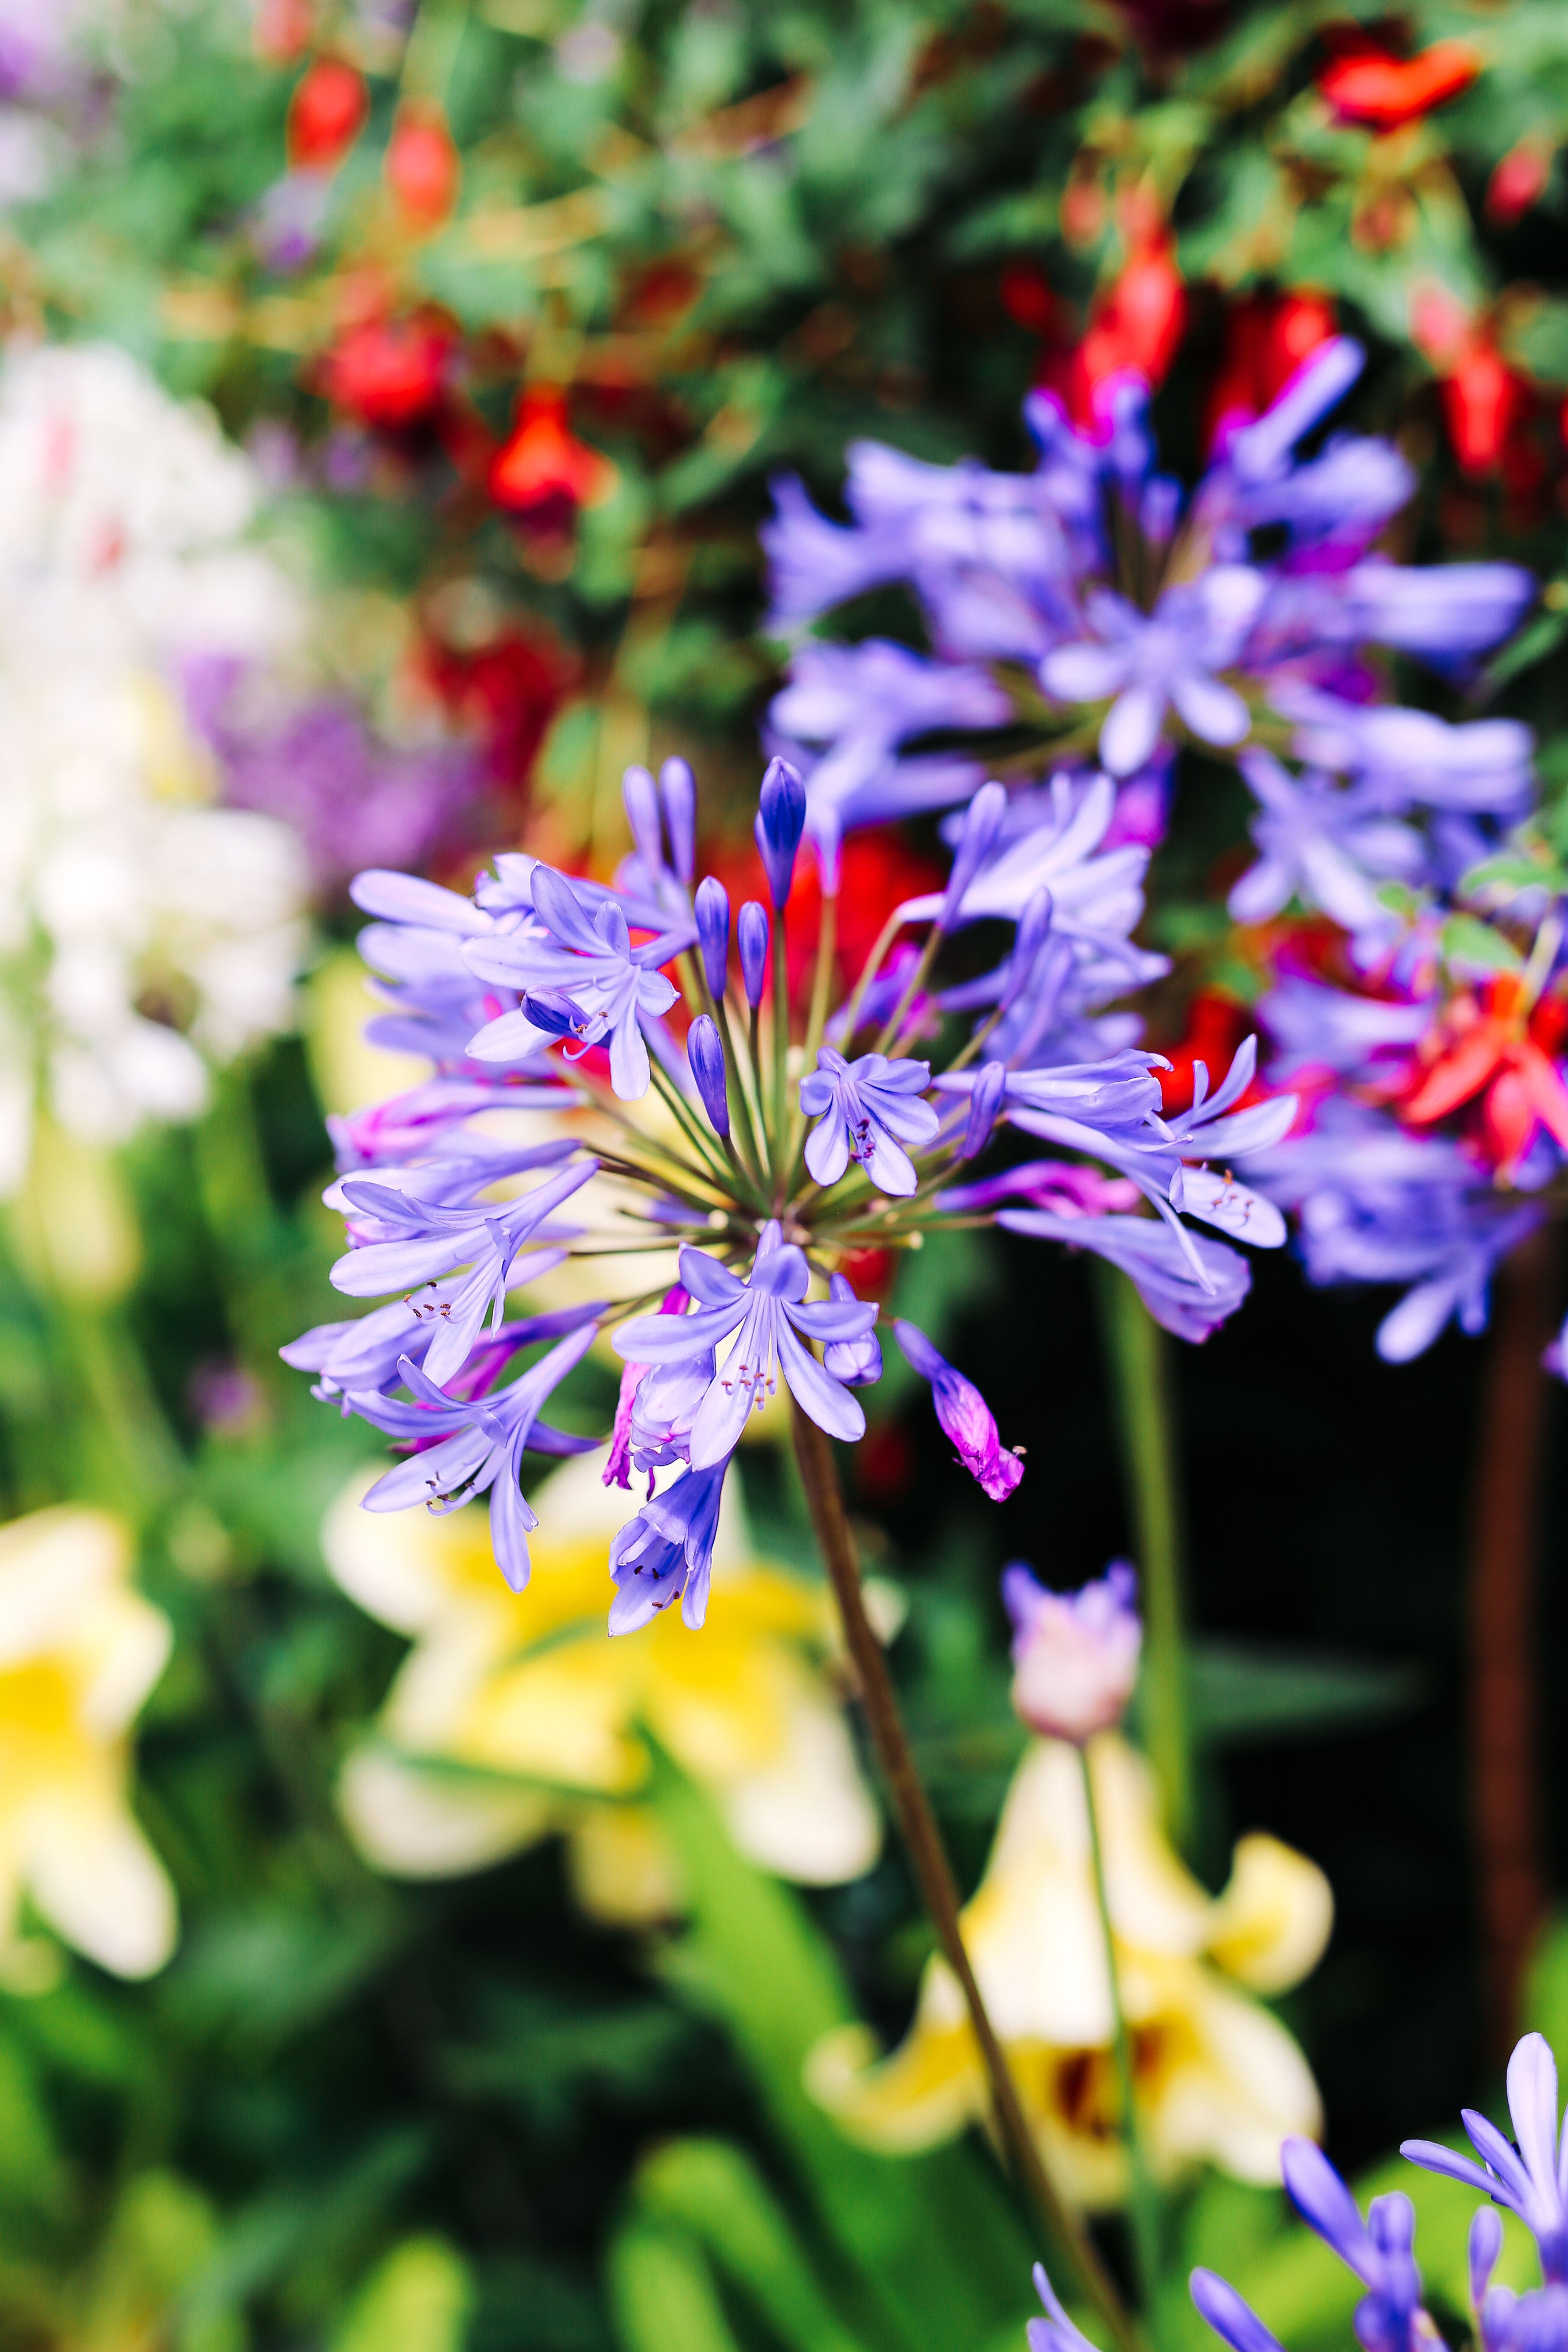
(435, 1241)
(1058, 2333)
(769, 1314)
(467, 1448)
(365, 1353)
(354, 799)
(1527, 2175)
(1188, 1284)
(965, 1416)
(1075, 1656)
(1062, 1185)
(665, 1552)
(678, 793)
(1149, 662)
(856, 1362)
(1321, 843)
(592, 959)
(1389, 2317)
(867, 1111)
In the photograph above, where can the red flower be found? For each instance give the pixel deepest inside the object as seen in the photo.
(543, 471)
(387, 372)
(1216, 1025)
(1518, 182)
(326, 115)
(1267, 338)
(1366, 84)
(506, 693)
(1483, 402)
(1136, 329)
(421, 166)
(1498, 1052)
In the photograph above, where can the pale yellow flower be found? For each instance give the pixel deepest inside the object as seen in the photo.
(1218, 2078)
(78, 1653)
(516, 1716)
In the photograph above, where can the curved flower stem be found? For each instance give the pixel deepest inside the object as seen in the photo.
(868, 970)
(1136, 1348)
(780, 1060)
(750, 1151)
(1143, 2201)
(911, 988)
(819, 1475)
(816, 1023)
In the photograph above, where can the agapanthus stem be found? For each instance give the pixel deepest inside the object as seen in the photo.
(1143, 2201)
(928, 1856)
(780, 1058)
(1505, 1800)
(750, 1151)
(868, 970)
(1135, 1349)
(911, 988)
(816, 1023)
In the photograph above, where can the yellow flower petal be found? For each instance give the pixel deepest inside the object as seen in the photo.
(417, 1824)
(1273, 1920)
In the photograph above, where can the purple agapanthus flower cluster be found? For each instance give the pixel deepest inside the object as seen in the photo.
(1110, 619)
(1527, 2175)
(619, 1074)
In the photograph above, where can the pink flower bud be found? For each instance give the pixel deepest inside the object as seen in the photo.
(1075, 1655)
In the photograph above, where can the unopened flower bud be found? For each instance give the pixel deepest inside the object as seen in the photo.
(713, 933)
(678, 791)
(964, 1415)
(751, 929)
(1075, 1654)
(856, 1362)
(641, 796)
(780, 822)
(705, 1052)
(982, 822)
(985, 1102)
(1034, 924)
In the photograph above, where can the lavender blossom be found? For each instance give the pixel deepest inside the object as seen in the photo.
(867, 1111)
(751, 932)
(472, 1448)
(665, 1552)
(705, 1052)
(1527, 2175)
(780, 820)
(769, 1314)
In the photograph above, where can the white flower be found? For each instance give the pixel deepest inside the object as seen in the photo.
(142, 932)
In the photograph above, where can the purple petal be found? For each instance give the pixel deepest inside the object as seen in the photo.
(1132, 730)
(1226, 2314)
(832, 1407)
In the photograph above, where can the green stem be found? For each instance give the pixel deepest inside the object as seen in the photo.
(748, 1129)
(780, 1058)
(1143, 2201)
(1138, 1355)
(712, 1166)
(933, 1871)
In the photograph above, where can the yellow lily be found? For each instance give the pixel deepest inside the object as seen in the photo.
(515, 1716)
(1218, 2078)
(79, 1650)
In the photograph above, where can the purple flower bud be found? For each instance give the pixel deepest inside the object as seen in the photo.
(964, 1414)
(713, 933)
(1075, 1655)
(982, 822)
(641, 796)
(984, 1104)
(1034, 924)
(558, 1014)
(705, 1052)
(780, 822)
(751, 931)
(856, 1362)
(678, 790)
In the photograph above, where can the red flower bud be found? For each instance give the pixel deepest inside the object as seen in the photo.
(1483, 401)
(1366, 84)
(543, 467)
(1518, 182)
(326, 115)
(423, 169)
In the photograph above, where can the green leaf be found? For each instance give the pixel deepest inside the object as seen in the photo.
(662, 2293)
(715, 2190)
(418, 2300)
(933, 2239)
(1244, 1693)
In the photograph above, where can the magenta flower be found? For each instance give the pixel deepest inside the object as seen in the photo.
(965, 1416)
